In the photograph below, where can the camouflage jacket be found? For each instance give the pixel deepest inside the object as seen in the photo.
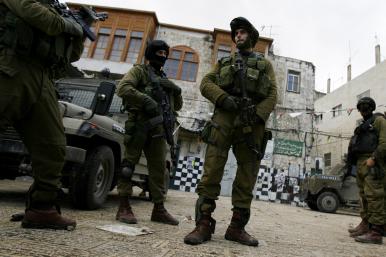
(136, 85)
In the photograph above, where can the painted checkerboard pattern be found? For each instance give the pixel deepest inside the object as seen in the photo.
(188, 174)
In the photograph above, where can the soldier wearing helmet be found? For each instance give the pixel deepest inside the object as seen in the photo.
(236, 79)
(144, 129)
(367, 150)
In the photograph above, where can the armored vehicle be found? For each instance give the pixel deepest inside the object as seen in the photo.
(94, 128)
(327, 192)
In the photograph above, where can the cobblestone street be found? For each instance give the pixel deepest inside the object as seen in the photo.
(282, 230)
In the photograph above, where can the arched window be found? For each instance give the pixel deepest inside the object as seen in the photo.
(182, 63)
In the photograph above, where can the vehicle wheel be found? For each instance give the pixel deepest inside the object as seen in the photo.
(312, 205)
(328, 202)
(89, 189)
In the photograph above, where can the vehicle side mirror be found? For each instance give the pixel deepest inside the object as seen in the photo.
(103, 98)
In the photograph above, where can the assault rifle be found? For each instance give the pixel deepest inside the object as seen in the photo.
(168, 117)
(85, 16)
(246, 107)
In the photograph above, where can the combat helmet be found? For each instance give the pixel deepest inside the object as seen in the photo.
(367, 100)
(241, 22)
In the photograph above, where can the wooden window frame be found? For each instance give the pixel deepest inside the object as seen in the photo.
(184, 50)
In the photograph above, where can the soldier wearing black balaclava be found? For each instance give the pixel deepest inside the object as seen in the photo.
(137, 92)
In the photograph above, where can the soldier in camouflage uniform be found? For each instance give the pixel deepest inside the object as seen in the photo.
(144, 130)
(34, 39)
(367, 150)
(223, 87)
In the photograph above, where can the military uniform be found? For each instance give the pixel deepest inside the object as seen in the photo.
(226, 130)
(139, 135)
(27, 95)
(145, 131)
(369, 142)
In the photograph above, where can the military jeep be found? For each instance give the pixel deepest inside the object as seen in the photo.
(94, 129)
(326, 193)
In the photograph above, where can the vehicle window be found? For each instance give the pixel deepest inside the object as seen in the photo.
(83, 96)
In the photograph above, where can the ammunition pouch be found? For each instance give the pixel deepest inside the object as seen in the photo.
(257, 82)
(376, 172)
(206, 134)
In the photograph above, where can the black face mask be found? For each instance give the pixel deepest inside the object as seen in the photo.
(158, 61)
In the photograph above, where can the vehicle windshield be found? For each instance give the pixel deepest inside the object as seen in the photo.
(83, 95)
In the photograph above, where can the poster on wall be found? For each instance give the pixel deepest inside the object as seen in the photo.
(288, 147)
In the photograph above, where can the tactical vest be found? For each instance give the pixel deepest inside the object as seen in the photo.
(365, 139)
(24, 40)
(146, 87)
(257, 82)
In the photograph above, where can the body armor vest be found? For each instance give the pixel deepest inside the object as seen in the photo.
(256, 79)
(365, 139)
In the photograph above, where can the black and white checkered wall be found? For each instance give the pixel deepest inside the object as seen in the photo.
(188, 174)
(272, 184)
(276, 186)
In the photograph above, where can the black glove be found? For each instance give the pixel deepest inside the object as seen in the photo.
(229, 104)
(150, 106)
(169, 86)
(72, 27)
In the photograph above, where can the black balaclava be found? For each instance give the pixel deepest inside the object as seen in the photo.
(150, 54)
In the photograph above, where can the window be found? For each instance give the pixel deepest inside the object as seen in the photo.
(337, 111)
(293, 81)
(101, 44)
(222, 51)
(182, 64)
(134, 46)
(364, 94)
(118, 45)
(318, 118)
(87, 45)
(327, 159)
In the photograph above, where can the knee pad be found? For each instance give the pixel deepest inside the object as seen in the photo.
(127, 169)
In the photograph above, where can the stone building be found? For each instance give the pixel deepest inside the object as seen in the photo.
(337, 116)
(121, 41)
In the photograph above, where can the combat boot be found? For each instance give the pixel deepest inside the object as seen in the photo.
(363, 228)
(364, 223)
(125, 214)
(236, 231)
(49, 218)
(205, 227)
(373, 236)
(160, 214)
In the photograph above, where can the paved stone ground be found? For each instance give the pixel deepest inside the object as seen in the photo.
(283, 230)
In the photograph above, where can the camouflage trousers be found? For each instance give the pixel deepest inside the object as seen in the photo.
(372, 194)
(28, 102)
(221, 137)
(153, 145)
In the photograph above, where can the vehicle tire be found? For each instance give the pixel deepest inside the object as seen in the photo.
(90, 187)
(312, 205)
(328, 202)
